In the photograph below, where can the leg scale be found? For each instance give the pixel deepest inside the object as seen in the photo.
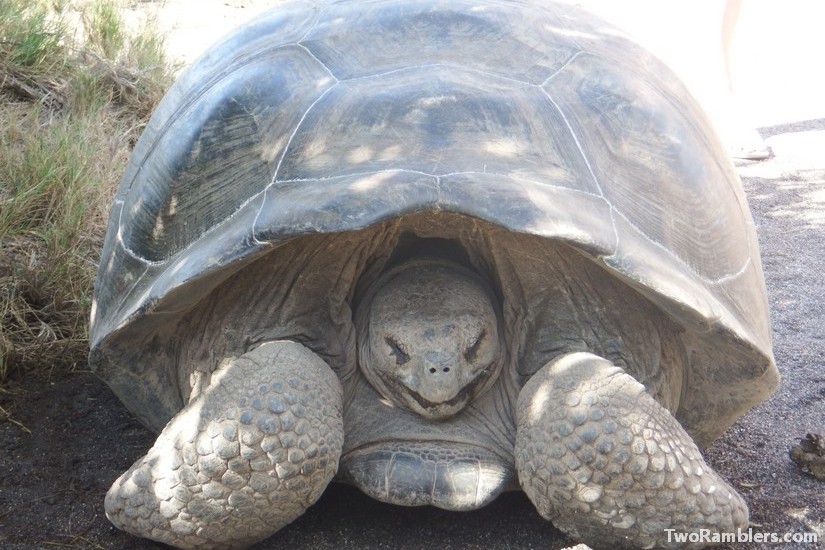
(598, 456)
(243, 459)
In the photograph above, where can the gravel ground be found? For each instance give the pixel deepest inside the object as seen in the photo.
(78, 438)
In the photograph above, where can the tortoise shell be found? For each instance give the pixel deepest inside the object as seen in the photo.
(330, 118)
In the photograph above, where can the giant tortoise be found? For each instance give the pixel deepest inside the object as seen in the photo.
(437, 249)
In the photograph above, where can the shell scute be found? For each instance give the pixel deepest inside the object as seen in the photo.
(457, 33)
(219, 151)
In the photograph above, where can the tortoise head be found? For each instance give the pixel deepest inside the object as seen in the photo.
(429, 337)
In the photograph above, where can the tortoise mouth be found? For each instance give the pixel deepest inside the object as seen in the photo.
(444, 409)
(450, 475)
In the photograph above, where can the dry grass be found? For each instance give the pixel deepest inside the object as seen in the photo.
(70, 112)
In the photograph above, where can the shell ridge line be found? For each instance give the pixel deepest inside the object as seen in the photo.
(589, 168)
(192, 98)
(479, 478)
(560, 69)
(387, 470)
(707, 280)
(175, 116)
(576, 141)
(724, 290)
(309, 51)
(182, 253)
(320, 10)
(436, 65)
(216, 226)
(356, 174)
(300, 123)
(133, 254)
(122, 299)
(733, 276)
(283, 155)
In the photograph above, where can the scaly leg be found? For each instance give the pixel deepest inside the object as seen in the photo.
(601, 459)
(243, 459)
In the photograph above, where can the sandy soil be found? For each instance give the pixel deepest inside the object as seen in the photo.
(78, 438)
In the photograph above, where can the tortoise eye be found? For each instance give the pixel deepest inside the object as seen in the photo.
(471, 353)
(395, 349)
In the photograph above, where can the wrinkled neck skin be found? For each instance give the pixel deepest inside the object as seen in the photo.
(429, 418)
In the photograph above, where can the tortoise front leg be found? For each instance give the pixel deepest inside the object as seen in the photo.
(243, 459)
(601, 459)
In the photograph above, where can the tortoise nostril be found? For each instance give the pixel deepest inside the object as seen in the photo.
(433, 370)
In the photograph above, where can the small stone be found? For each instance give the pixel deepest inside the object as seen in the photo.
(809, 455)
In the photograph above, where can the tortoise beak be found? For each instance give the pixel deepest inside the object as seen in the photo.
(439, 385)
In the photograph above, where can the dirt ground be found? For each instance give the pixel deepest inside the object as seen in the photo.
(73, 437)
